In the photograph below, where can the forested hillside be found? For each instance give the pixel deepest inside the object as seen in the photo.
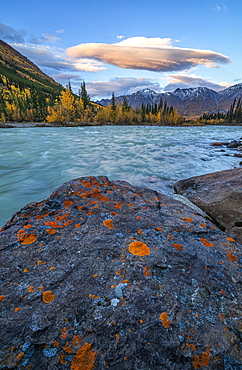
(25, 91)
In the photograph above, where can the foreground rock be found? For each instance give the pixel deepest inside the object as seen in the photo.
(219, 194)
(105, 275)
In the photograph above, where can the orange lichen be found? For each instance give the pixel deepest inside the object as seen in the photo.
(52, 224)
(192, 346)
(114, 214)
(25, 270)
(17, 309)
(222, 316)
(20, 355)
(206, 243)
(76, 340)
(25, 238)
(56, 344)
(67, 348)
(108, 223)
(77, 226)
(140, 232)
(28, 239)
(232, 257)
(41, 288)
(31, 289)
(139, 249)
(84, 358)
(146, 271)
(27, 226)
(118, 205)
(188, 219)
(164, 317)
(62, 360)
(159, 229)
(39, 217)
(2, 297)
(63, 217)
(93, 296)
(203, 225)
(52, 268)
(230, 239)
(201, 361)
(87, 184)
(51, 231)
(67, 203)
(48, 296)
(178, 246)
(21, 234)
(64, 333)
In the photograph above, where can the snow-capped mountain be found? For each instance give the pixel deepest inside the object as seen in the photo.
(191, 101)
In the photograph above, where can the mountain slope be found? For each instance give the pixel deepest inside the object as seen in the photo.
(188, 102)
(20, 70)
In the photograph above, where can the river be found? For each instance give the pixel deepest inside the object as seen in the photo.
(35, 161)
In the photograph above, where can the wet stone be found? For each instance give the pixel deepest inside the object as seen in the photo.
(106, 275)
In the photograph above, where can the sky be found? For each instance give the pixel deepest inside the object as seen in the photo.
(122, 46)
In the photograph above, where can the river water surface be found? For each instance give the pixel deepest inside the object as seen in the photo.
(35, 161)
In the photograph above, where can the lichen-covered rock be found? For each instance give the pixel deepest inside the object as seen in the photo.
(105, 275)
(219, 194)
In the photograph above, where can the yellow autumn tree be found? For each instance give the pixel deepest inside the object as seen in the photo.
(63, 110)
(102, 115)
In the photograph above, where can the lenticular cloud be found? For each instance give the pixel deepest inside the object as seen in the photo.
(152, 54)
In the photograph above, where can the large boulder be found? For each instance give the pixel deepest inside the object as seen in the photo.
(105, 275)
(219, 194)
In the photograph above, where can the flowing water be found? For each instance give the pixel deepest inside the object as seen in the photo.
(35, 161)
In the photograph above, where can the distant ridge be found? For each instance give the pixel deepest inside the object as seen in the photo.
(19, 69)
(188, 102)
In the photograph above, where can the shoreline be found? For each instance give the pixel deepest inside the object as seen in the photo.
(46, 124)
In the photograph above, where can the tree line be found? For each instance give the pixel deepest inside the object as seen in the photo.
(20, 103)
(233, 115)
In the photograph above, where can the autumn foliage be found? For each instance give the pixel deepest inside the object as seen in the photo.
(21, 103)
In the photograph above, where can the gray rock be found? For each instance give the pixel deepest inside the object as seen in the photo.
(149, 284)
(219, 194)
(234, 144)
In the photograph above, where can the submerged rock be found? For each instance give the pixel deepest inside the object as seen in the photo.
(105, 275)
(219, 194)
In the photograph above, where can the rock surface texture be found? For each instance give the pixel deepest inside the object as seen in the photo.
(105, 275)
(219, 194)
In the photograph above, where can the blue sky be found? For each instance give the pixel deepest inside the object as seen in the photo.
(122, 46)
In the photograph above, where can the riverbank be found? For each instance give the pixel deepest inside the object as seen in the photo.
(88, 124)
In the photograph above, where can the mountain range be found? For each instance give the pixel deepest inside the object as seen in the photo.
(188, 102)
